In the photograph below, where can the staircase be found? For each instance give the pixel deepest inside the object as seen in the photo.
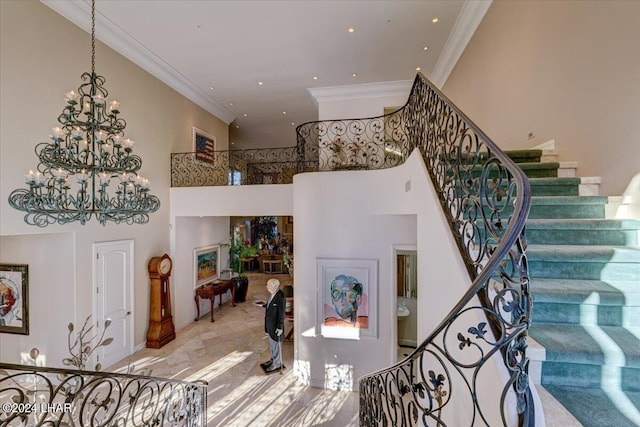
(585, 283)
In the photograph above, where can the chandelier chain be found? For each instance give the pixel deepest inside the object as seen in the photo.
(93, 36)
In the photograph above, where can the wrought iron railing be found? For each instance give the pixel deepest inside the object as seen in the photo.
(254, 166)
(39, 396)
(486, 199)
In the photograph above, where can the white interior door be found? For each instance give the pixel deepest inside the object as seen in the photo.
(113, 284)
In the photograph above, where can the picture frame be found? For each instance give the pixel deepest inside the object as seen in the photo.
(348, 297)
(14, 299)
(206, 264)
(204, 145)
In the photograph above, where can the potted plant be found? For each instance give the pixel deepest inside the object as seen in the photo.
(239, 250)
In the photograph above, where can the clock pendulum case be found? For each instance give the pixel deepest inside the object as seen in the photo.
(161, 329)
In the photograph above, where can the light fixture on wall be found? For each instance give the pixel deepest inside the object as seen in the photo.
(73, 181)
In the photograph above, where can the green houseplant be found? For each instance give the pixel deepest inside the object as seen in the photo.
(239, 250)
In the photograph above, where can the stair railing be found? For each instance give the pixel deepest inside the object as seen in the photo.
(39, 396)
(477, 184)
(485, 197)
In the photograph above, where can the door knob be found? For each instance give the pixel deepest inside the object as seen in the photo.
(128, 313)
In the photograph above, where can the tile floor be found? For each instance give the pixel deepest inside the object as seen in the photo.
(228, 353)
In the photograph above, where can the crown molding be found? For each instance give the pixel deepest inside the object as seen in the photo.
(79, 13)
(361, 91)
(467, 23)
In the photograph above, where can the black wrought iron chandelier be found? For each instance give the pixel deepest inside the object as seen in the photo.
(73, 181)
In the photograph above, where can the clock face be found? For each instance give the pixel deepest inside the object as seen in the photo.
(165, 266)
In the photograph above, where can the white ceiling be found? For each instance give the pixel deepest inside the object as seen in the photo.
(232, 45)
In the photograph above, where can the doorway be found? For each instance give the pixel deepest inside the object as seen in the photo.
(407, 300)
(113, 284)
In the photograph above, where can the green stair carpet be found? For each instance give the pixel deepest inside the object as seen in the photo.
(585, 285)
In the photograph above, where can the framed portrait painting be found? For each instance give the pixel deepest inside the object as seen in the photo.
(204, 145)
(348, 303)
(206, 264)
(14, 298)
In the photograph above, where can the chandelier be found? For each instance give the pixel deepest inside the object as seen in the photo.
(88, 153)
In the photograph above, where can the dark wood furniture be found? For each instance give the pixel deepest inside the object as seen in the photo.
(161, 329)
(211, 289)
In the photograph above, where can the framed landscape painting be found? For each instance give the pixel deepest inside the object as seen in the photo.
(204, 145)
(348, 305)
(206, 264)
(14, 298)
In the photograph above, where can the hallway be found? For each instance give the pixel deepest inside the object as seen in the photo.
(227, 354)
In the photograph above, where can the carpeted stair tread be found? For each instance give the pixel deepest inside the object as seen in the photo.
(569, 200)
(554, 181)
(593, 407)
(575, 291)
(583, 232)
(584, 224)
(619, 263)
(518, 156)
(573, 344)
(567, 207)
(581, 253)
(540, 170)
(524, 156)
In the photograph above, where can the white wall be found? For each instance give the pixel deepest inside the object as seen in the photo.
(442, 276)
(52, 296)
(39, 62)
(192, 233)
(566, 70)
(334, 218)
(245, 200)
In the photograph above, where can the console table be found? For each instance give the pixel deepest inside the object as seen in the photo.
(211, 289)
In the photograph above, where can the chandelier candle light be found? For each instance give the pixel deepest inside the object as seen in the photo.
(88, 150)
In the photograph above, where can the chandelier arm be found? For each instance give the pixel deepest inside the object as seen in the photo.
(89, 147)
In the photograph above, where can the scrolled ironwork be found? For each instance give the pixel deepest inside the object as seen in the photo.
(254, 166)
(486, 199)
(478, 186)
(38, 396)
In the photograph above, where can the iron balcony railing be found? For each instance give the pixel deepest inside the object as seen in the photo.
(39, 396)
(486, 199)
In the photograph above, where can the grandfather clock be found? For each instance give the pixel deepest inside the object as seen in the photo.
(161, 329)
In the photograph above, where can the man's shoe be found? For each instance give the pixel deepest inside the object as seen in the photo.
(266, 364)
(272, 368)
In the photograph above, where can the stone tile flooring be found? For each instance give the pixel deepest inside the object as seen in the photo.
(228, 353)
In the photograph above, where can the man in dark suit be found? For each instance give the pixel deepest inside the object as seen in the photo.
(274, 325)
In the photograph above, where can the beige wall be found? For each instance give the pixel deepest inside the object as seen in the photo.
(42, 56)
(567, 70)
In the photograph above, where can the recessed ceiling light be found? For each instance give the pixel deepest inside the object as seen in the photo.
(260, 83)
(425, 48)
(284, 112)
(353, 75)
(435, 20)
(418, 68)
(351, 30)
(211, 87)
(237, 126)
(231, 103)
(293, 123)
(315, 77)
(245, 114)
(232, 143)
